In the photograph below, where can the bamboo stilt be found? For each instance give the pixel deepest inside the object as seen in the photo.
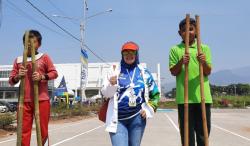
(186, 122)
(36, 100)
(22, 93)
(203, 106)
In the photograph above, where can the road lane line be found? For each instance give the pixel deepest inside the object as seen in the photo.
(68, 139)
(13, 139)
(8, 140)
(233, 133)
(172, 122)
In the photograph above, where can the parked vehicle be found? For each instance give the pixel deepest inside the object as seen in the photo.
(3, 108)
(9, 106)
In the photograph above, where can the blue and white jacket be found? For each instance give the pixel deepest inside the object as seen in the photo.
(145, 89)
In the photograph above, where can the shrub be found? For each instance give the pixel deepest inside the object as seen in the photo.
(168, 104)
(231, 101)
(224, 102)
(6, 119)
(63, 110)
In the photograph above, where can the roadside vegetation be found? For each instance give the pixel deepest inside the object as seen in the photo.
(58, 112)
(231, 96)
(63, 111)
(226, 101)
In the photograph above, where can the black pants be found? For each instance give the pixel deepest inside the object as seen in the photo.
(195, 123)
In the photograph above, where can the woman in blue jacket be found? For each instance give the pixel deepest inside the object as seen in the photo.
(133, 95)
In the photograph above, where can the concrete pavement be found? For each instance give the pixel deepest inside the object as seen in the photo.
(229, 128)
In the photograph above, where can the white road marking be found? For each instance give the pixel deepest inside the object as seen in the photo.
(233, 133)
(8, 140)
(13, 139)
(172, 122)
(68, 139)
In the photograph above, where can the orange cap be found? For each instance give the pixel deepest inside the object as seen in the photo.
(130, 46)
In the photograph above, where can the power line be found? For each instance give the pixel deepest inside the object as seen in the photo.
(1, 12)
(74, 37)
(20, 11)
(67, 32)
(95, 54)
(51, 3)
(59, 10)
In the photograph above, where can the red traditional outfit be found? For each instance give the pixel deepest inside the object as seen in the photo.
(44, 67)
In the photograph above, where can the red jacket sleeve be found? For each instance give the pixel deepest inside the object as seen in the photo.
(13, 73)
(51, 70)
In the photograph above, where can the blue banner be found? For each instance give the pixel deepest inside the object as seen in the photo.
(62, 88)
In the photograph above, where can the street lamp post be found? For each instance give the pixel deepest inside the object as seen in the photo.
(84, 55)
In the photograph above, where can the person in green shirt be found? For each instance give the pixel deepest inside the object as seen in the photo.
(177, 61)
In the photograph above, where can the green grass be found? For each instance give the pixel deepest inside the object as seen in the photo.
(231, 101)
(218, 102)
(167, 104)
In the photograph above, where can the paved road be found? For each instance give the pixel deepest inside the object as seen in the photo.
(229, 128)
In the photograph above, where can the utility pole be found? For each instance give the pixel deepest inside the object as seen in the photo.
(84, 55)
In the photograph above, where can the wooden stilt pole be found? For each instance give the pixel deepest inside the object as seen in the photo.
(203, 106)
(22, 93)
(186, 122)
(36, 100)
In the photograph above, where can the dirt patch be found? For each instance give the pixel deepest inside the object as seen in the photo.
(7, 131)
(3, 133)
(247, 129)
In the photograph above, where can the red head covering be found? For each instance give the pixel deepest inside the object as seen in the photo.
(130, 46)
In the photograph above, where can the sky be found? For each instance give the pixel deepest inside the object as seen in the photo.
(152, 24)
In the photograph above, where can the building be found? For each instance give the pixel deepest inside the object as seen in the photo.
(71, 73)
